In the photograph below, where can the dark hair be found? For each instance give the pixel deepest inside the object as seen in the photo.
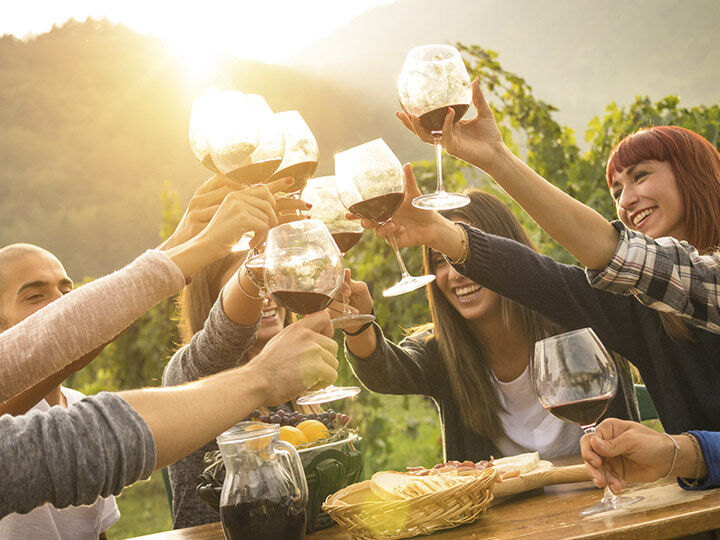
(458, 348)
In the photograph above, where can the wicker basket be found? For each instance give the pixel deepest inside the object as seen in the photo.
(364, 515)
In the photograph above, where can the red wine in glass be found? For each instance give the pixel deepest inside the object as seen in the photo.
(575, 378)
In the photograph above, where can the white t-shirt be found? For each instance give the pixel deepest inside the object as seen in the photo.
(72, 523)
(528, 426)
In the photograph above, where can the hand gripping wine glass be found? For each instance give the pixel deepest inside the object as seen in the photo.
(218, 117)
(575, 378)
(371, 184)
(303, 272)
(322, 194)
(433, 79)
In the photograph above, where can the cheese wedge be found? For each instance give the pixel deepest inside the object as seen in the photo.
(520, 464)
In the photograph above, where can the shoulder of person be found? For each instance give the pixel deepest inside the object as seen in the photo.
(422, 336)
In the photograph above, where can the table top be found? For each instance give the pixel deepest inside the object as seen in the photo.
(667, 511)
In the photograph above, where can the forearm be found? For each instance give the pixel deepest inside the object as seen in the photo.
(237, 303)
(26, 400)
(688, 465)
(579, 228)
(362, 345)
(184, 418)
(60, 333)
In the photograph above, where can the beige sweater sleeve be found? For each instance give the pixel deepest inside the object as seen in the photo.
(86, 318)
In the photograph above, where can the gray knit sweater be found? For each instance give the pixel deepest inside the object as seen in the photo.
(221, 344)
(70, 457)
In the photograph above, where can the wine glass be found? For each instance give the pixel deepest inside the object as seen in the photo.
(300, 159)
(433, 79)
(220, 116)
(303, 272)
(264, 161)
(575, 378)
(371, 184)
(322, 194)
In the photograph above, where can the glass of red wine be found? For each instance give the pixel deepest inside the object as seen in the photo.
(220, 117)
(371, 184)
(433, 79)
(300, 158)
(322, 194)
(303, 270)
(575, 378)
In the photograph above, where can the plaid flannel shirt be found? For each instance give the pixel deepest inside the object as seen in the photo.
(665, 274)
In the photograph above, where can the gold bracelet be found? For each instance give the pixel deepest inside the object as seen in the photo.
(464, 248)
(698, 457)
(242, 290)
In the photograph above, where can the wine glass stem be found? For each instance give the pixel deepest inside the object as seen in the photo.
(609, 497)
(346, 306)
(437, 137)
(403, 269)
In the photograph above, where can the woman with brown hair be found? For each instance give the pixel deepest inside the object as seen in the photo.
(473, 359)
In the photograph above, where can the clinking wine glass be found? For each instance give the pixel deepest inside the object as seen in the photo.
(217, 117)
(322, 194)
(303, 272)
(300, 159)
(371, 184)
(575, 378)
(433, 79)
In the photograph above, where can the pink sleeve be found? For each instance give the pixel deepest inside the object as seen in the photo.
(77, 323)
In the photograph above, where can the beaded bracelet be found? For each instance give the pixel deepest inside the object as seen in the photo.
(698, 458)
(242, 290)
(362, 328)
(677, 450)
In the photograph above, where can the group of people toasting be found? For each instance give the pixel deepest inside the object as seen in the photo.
(649, 294)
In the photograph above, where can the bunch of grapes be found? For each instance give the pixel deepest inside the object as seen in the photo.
(286, 417)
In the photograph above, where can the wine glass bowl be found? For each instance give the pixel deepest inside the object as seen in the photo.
(300, 158)
(371, 184)
(303, 267)
(223, 120)
(433, 79)
(322, 194)
(575, 379)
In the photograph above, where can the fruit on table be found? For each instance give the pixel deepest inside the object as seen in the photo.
(293, 435)
(313, 430)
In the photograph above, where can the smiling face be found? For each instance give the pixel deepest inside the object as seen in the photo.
(648, 200)
(29, 283)
(469, 299)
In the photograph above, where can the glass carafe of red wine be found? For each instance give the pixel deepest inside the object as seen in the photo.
(303, 271)
(264, 493)
(575, 378)
(433, 79)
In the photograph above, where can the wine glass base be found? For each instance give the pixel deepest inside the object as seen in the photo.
(352, 319)
(441, 200)
(408, 284)
(329, 393)
(607, 506)
(243, 244)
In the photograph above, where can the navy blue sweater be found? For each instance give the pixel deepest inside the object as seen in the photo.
(683, 377)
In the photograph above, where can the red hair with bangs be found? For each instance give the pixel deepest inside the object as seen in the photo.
(694, 161)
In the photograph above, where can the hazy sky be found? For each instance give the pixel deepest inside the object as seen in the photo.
(266, 30)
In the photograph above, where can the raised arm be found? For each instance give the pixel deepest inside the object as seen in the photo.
(583, 232)
(119, 439)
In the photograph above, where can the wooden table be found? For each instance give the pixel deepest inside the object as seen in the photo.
(553, 513)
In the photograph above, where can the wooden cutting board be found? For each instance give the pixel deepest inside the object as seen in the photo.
(545, 475)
